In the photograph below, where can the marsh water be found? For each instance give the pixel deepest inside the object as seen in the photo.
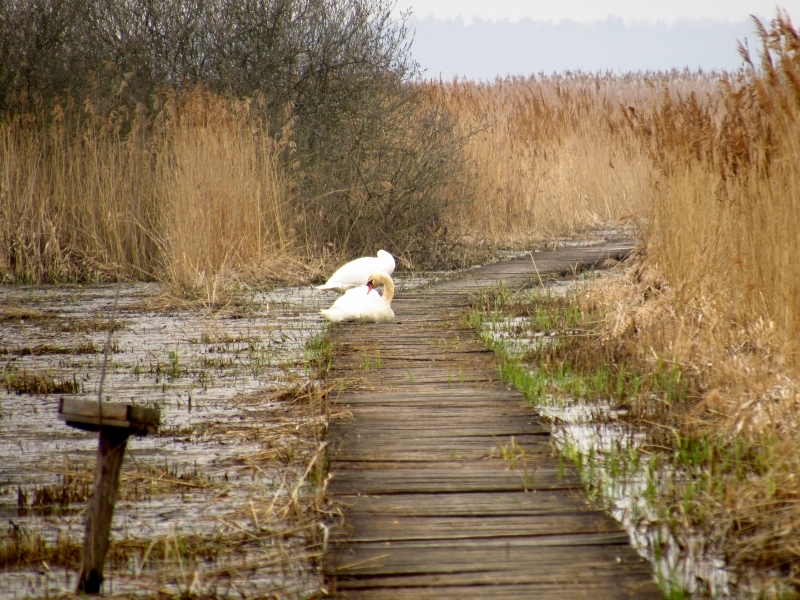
(210, 373)
(218, 503)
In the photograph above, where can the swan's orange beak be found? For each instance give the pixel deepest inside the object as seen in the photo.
(370, 286)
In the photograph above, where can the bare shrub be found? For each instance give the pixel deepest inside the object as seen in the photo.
(369, 157)
(387, 189)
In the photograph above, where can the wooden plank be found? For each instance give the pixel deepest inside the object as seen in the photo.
(357, 362)
(491, 445)
(92, 423)
(434, 409)
(435, 588)
(477, 411)
(411, 375)
(398, 399)
(488, 390)
(84, 407)
(395, 481)
(90, 414)
(501, 431)
(520, 503)
(463, 452)
(366, 527)
(542, 558)
(387, 447)
(430, 506)
(400, 349)
(501, 427)
(430, 468)
(427, 417)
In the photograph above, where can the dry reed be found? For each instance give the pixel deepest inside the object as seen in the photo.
(186, 196)
(707, 166)
(717, 290)
(553, 155)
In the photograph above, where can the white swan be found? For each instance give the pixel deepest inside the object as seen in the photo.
(364, 303)
(356, 272)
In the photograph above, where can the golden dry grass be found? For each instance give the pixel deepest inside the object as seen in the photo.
(707, 166)
(717, 289)
(186, 196)
(225, 191)
(550, 156)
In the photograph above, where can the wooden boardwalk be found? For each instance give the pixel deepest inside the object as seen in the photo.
(433, 504)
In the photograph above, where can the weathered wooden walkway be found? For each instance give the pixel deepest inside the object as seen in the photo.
(446, 477)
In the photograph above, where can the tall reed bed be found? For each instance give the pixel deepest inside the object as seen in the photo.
(719, 291)
(708, 166)
(727, 196)
(554, 155)
(183, 193)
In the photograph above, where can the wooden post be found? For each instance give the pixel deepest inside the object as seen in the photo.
(110, 452)
(115, 421)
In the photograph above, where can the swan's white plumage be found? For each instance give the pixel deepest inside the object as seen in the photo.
(355, 273)
(364, 303)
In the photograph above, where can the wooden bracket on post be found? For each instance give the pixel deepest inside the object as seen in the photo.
(91, 414)
(116, 421)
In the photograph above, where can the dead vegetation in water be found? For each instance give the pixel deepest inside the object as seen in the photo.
(19, 546)
(93, 324)
(225, 303)
(258, 522)
(16, 381)
(739, 408)
(22, 313)
(230, 497)
(83, 347)
(11, 313)
(725, 486)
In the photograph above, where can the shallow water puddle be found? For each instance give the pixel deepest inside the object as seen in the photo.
(195, 368)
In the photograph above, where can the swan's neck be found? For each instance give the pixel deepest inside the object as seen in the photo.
(388, 289)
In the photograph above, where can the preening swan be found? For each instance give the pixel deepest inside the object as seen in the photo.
(364, 303)
(356, 272)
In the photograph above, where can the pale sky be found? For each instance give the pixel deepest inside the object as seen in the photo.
(484, 39)
(668, 11)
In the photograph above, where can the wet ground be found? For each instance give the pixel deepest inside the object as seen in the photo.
(619, 470)
(223, 501)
